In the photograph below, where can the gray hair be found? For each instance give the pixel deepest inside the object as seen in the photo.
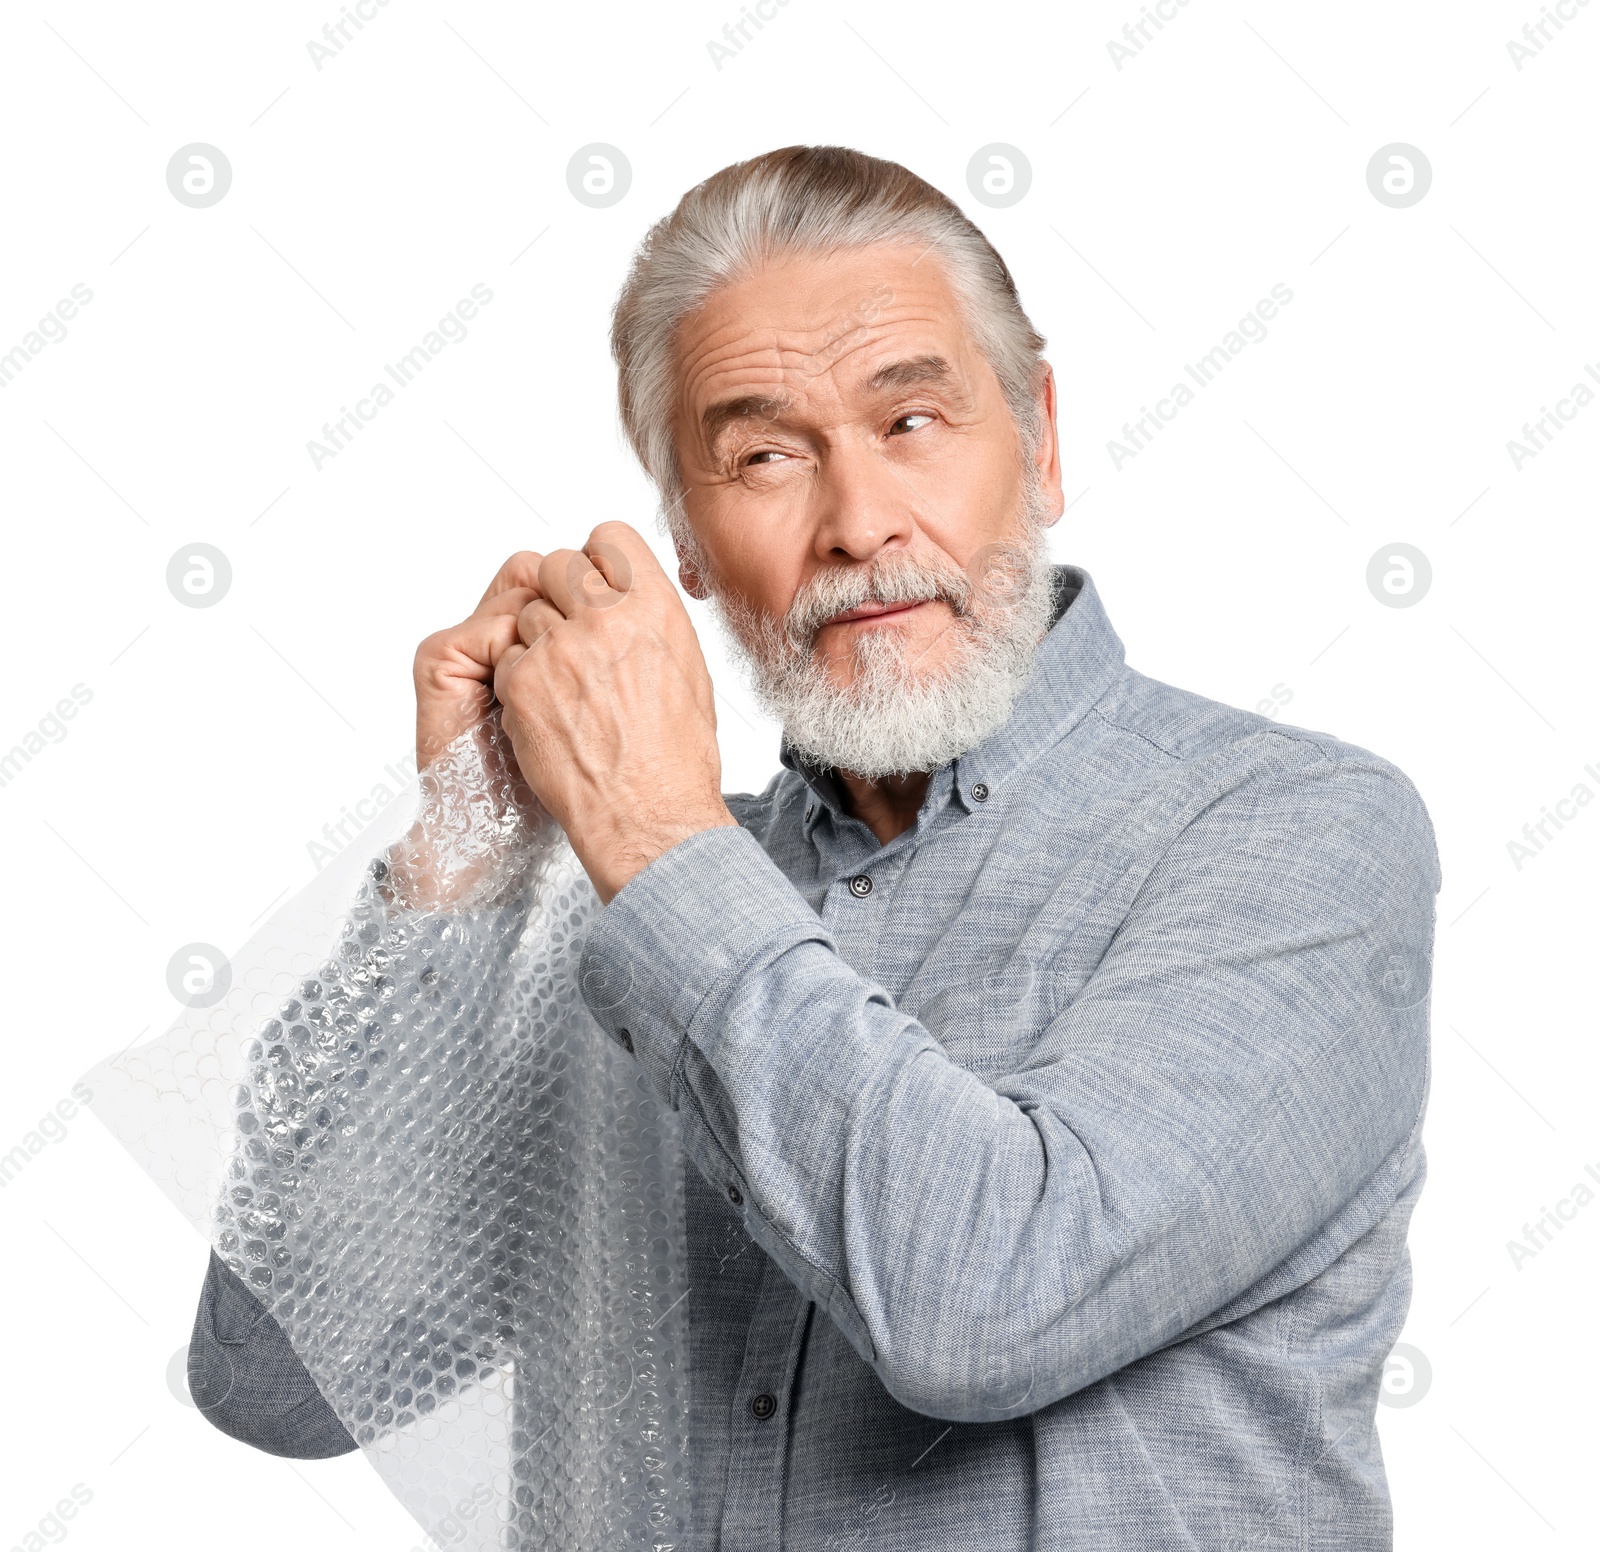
(802, 199)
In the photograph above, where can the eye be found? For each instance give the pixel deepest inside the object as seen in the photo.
(765, 453)
(917, 415)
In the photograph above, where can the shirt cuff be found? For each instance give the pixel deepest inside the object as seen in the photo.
(678, 935)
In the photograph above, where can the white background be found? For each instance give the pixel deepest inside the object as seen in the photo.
(1167, 197)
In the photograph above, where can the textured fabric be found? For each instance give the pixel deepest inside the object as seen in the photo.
(1057, 1155)
(1054, 1161)
(248, 1381)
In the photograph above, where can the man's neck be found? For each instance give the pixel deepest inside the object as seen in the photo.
(887, 805)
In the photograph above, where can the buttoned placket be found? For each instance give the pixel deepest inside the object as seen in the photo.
(853, 909)
(855, 906)
(752, 1511)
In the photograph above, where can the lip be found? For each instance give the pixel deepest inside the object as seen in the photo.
(876, 611)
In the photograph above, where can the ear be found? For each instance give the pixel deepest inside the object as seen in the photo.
(689, 576)
(1047, 458)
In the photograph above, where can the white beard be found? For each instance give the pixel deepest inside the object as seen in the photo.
(892, 720)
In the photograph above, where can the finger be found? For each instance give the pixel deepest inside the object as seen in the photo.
(508, 661)
(511, 601)
(470, 649)
(536, 618)
(521, 570)
(612, 562)
(568, 579)
(623, 556)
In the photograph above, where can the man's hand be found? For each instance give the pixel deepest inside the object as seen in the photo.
(452, 672)
(609, 707)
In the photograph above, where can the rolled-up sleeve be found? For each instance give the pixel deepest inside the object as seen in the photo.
(1246, 1056)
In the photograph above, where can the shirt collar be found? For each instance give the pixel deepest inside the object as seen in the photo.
(1077, 659)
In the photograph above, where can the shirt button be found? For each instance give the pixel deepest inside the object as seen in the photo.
(627, 1041)
(861, 886)
(735, 1195)
(764, 1405)
(980, 791)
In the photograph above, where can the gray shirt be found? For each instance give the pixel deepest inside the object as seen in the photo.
(1054, 1160)
(1057, 1156)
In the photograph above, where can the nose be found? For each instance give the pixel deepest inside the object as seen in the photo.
(862, 504)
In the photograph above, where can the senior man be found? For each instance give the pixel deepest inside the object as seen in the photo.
(1051, 1043)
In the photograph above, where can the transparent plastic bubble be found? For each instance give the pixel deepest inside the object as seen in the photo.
(456, 1195)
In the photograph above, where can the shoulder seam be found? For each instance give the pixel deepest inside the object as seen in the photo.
(1122, 727)
(1304, 742)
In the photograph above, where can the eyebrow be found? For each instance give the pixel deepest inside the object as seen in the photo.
(892, 376)
(910, 373)
(751, 406)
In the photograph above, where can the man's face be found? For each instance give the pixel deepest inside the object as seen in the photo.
(835, 417)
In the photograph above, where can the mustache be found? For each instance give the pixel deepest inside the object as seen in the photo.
(894, 578)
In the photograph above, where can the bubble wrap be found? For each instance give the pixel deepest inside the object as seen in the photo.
(402, 1128)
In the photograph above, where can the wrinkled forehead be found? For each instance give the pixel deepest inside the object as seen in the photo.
(821, 328)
